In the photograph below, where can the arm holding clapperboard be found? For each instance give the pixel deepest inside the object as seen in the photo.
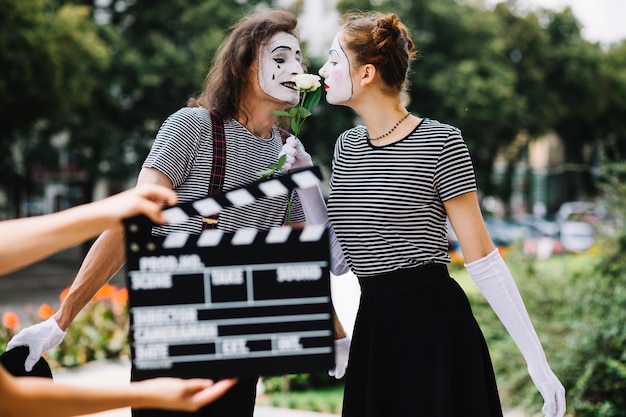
(28, 240)
(64, 229)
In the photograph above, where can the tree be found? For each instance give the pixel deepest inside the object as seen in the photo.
(498, 73)
(132, 64)
(610, 89)
(461, 76)
(161, 52)
(48, 55)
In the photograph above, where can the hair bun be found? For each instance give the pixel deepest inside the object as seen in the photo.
(386, 30)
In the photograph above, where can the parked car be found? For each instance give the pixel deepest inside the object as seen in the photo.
(541, 246)
(503, 232)
(582, 211)
(577, 236)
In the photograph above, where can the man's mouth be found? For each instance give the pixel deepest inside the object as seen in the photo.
(289, 84)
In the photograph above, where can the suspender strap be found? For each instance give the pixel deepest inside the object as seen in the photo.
(284, 135)
(218, 166)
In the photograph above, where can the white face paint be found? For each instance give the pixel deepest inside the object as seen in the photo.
(279, 60)
(336, 73)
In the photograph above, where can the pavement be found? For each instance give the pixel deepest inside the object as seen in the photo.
(117, 373)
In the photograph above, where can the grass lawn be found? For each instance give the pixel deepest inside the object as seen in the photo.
(324, 400)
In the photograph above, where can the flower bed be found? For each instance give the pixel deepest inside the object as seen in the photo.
(99, 331)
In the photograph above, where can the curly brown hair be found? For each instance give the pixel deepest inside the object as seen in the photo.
(226, 80)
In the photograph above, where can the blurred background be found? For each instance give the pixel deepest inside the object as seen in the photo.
(85, 85)
(538, 89)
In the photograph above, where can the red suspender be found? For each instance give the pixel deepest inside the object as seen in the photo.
(218, 165)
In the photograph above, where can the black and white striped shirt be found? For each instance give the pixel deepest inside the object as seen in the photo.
(183, 151)
(386, 203)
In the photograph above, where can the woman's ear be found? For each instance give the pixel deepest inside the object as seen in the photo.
(368, 74)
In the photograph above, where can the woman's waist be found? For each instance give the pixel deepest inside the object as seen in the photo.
(405, 278)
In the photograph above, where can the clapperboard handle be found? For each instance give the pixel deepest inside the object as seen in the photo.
(230, 304)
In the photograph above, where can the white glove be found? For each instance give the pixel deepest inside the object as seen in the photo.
(342, 353)
(315, 211)
(297, 157)
(312, 201)
(496, 283)
(39, 338)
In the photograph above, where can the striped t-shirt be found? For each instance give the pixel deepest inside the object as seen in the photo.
(386, 203)
(183, 151)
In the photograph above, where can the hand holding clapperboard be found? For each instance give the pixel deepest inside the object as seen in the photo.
(230, 304)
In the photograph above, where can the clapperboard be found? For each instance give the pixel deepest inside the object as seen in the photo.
(230, 304)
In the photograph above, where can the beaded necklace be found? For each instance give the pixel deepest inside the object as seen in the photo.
(391, 130)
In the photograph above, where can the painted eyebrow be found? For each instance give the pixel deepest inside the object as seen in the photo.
(282, 47)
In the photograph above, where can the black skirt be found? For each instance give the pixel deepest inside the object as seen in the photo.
(418, 351)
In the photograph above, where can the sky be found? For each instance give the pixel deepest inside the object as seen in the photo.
(602, 21)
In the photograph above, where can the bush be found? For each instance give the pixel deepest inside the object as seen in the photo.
(578, 306)
(99, 331)
(597, 344)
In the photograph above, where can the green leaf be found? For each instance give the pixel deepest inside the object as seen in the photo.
(281, 161)
(295, 127)
(304, 113)
(263, 175)
(312, 99)
(281, 113)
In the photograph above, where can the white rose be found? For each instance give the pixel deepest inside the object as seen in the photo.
(307, 82)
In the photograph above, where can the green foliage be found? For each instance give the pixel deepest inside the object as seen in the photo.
(99, 331)
(325, 400)
(578, 306)
(598, 345)
(108, 73)
(48, 55)
(498, 73)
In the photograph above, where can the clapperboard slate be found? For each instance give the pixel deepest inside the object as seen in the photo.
(230, 304)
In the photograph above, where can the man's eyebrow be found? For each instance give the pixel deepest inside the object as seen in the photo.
(288, 48)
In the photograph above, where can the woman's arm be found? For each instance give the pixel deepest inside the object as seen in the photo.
(27, 396)
(27, 240)
(468, 224)
(492, 276)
